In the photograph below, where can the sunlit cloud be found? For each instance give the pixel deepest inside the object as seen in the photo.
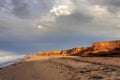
(61, 10)
(40, 27)
(98, 10)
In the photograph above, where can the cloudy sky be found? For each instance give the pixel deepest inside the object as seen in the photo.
(28, 26)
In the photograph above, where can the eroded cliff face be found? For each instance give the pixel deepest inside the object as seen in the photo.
(105, 46)
(74, 51)
(108, 48)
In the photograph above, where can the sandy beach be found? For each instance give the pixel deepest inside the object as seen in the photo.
(63, 68)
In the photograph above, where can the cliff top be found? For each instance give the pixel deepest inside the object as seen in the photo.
(107, 41)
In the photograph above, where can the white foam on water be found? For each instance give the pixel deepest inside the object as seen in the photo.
(6, 60)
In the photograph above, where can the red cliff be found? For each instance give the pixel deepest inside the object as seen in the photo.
(108, 48)
(74, 51)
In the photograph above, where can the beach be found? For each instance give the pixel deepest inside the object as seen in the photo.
(63, 68)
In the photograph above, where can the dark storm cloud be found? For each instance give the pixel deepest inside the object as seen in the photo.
(85, 23)
(30, 9)
(2, 3)
(21, 9)
(55, 42)
(107, 2)
(75, 19)
(43, 3)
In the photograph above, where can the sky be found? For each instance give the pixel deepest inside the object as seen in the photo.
(29, 26)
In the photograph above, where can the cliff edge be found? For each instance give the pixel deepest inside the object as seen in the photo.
(105, 49)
